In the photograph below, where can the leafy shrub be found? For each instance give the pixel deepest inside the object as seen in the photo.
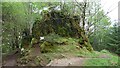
(104, 51)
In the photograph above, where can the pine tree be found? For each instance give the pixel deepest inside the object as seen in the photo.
(114, 40)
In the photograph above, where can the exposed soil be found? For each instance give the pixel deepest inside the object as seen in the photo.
(75, 61)
(104, 56)
(11, 60)
(35, 50)
(72, 61)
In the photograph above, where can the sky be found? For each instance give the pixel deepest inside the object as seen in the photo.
(110, 5)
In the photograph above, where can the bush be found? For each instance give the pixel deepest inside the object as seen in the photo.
(104, 51)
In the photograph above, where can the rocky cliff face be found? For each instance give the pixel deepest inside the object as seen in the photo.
(62, 24)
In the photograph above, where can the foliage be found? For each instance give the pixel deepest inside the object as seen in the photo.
(14, 22)
(113, 42)
(60, 25)
(107, 38)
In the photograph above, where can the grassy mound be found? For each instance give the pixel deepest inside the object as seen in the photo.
(55, 47)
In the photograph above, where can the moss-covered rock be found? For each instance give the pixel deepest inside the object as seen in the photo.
(46, 47)
(59, 24)
(34, 41)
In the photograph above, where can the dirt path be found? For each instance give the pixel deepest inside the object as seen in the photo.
(75, 61)
(11, 60)
(35, 50)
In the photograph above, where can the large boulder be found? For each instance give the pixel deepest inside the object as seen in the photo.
(62, 24)
(57, 22)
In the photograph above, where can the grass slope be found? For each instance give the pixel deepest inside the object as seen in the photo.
(105, 58)
(102, 58)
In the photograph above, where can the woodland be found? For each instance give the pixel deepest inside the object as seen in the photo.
(58, 34)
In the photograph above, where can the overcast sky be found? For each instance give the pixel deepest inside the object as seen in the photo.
(111, 5)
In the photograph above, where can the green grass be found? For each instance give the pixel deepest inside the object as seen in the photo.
(112, 60)
(94, 58)
(97, 62)
(58, 51)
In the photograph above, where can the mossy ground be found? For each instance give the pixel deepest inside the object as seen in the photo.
(71, 49)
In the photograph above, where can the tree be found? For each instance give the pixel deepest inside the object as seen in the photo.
(113, 43)
(14, 22)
